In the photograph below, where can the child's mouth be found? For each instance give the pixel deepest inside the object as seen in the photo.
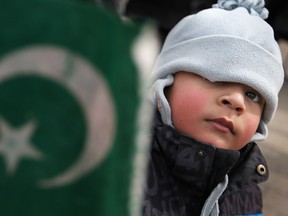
(223, 125)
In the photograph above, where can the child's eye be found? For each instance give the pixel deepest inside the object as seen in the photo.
(253, 96)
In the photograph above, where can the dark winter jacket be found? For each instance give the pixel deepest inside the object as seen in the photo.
(182, 173)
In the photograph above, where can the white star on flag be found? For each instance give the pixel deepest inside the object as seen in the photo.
(15, 144)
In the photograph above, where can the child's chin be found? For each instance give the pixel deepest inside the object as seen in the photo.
(225, 145)
(220, 143)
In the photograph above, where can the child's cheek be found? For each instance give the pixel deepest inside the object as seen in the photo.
(198, 100)
(250, 126)
(193, 104)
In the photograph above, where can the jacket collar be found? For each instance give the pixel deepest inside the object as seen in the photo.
(204, 165)
(250, 170)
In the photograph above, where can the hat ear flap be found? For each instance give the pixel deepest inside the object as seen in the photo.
(160, 100)
(261, 133)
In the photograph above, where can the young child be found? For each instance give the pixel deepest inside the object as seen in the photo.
(216, 85)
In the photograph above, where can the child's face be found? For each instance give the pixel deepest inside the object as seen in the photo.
(224, 114)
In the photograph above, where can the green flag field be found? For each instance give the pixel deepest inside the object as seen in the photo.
(69, 104)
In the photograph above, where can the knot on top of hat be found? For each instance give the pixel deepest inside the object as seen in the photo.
(254, 7)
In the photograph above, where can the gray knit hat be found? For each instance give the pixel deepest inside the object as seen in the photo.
(229, 42)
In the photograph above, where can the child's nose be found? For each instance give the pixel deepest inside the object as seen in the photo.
(235, 100)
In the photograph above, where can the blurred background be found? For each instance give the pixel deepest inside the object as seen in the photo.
(275, 190)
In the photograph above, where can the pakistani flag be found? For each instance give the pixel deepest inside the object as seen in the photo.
(69, 104)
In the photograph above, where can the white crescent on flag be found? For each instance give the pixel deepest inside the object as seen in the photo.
(90, 90)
